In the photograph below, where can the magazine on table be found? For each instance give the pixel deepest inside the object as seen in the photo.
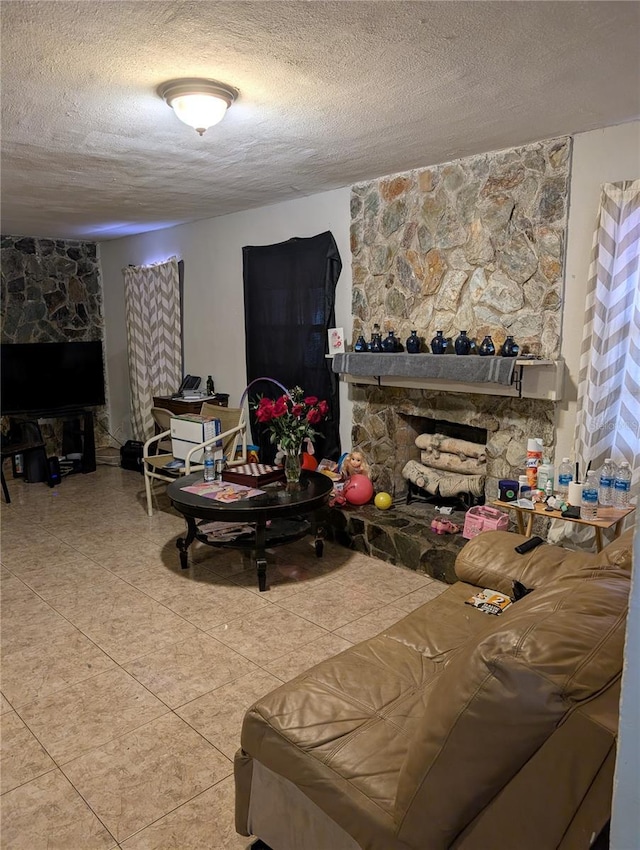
(225, 531)
(223, 491)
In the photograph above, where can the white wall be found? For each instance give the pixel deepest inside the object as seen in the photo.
(213, 290)
(600, 156)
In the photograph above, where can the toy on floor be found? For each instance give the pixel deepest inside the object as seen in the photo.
(444, 526)
(358, 490)
(383, 501)
(355, 464)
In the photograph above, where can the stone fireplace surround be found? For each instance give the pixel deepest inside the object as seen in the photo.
(386, 421)
(475, 244)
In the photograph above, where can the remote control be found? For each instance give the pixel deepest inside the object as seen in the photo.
(529, 544)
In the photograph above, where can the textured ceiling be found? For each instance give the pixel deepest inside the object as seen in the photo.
(330, 93)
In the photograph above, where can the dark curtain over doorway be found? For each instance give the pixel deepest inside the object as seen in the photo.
(289, 303)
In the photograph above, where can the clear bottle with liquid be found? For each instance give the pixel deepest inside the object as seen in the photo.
(589, 504)
(209, 464)
(545, 474)
(622, 486)
(565, 477)
(607, 479)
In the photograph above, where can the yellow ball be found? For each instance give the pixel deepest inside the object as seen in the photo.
(383, 501)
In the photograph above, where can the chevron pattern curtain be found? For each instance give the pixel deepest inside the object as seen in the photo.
(608, 415)
(152, 307)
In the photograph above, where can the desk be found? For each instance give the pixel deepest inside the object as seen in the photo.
(607, 518)
(180, 406)
(277, 516)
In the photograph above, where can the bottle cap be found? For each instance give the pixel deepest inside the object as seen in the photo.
(565, 460)
(534, 444)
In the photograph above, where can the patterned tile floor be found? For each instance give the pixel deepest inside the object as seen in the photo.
(125, 679)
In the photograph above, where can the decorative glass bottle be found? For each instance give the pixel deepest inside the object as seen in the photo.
(462, 343)
(413, 343)
(509, 348)
(389, 344)
(439, 343)
(487, 348)
(376, 344)
(360, 344)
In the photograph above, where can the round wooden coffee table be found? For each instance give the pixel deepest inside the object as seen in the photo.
(276, 517)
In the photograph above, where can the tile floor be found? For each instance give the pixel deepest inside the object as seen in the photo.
(125, 679)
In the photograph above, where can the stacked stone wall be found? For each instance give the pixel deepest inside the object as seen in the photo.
(51, 291)
(478, 245)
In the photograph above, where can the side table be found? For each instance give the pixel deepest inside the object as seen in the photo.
(607, 518)
(180, 406)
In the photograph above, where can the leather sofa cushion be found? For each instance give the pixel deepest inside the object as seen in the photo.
(502, 694)
(490, 560)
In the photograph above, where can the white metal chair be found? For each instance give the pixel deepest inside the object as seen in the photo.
(234, 448)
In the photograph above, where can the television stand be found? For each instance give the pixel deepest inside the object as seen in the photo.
(77, 431)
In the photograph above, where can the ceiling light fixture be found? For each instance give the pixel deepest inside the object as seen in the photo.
(197, 102)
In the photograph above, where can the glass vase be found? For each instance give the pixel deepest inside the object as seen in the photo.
(487, 348)
(413, 343)
(462, 343)
(292, 466)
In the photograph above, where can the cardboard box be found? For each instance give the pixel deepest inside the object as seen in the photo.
(194, 428)
(190, 430)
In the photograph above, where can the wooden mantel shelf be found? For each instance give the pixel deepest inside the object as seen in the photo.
(516, 378)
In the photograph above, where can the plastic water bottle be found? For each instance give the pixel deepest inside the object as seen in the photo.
(607, 478)
(589, 504)
(565, 477)
(622, 486)
(209, 464)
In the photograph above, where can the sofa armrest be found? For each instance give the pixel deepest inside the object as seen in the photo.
(490, 560)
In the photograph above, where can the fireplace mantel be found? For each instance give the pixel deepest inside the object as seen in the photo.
(513, 377)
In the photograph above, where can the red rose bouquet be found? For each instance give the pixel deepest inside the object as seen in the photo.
(291, 418)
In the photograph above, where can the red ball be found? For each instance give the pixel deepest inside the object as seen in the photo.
(358, 490)
(309, 461)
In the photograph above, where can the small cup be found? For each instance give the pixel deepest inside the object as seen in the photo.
(575, 494)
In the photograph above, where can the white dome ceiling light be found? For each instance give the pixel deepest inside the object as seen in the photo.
(197, 102)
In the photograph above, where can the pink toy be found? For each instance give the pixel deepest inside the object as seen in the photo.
(358, 490)
(484, 518)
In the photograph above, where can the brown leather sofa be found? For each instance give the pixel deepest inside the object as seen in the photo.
(453, 728)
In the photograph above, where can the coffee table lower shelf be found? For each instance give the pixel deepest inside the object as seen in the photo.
(277, 533)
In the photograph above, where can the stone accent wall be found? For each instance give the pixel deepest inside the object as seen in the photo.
(476, 244)
(51, 291)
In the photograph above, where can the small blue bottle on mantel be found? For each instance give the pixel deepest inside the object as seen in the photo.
(413, 343)
(487, 348)
(390, 345)
(510, 348)
(360, 344)
(439, 343)
(463, 343)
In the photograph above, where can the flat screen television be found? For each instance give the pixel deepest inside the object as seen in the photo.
(49, 376)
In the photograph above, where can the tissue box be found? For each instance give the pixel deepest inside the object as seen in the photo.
(483, 518)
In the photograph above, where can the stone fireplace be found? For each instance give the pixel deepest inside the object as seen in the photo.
(477, 244)
(388, 419)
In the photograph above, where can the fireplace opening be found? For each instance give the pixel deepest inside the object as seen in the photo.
(448, 465)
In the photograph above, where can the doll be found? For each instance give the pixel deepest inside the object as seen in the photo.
(355, 464)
